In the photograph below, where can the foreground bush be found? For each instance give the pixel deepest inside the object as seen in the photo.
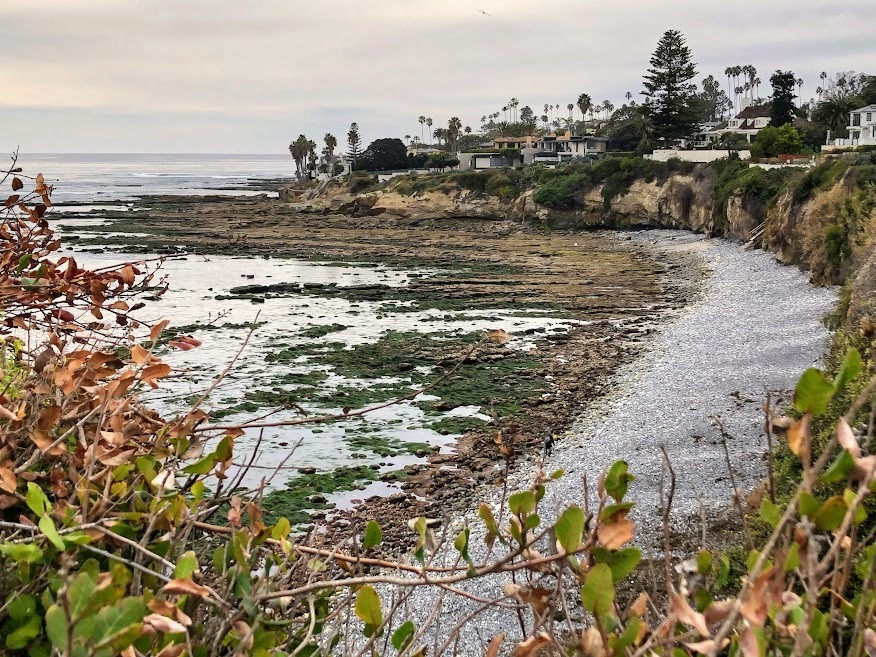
(126, 533)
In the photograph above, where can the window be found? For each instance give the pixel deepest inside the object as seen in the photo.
(869, 117)
(856, 119)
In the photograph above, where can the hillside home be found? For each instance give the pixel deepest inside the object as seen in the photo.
(862, 128)
(751, 120)
(553, 149)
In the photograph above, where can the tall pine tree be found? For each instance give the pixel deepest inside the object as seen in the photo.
(671, 98)
(354, 143)
(782, 111)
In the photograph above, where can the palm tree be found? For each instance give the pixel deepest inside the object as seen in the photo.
(330, 144)
(757, 82)
(729, 73)
(467, 130)
(422, 121)
(584, 104)
(483, 121)
(800, 89)
(833, 111)
(453, 127)
(429, 123)
(547, 109)
(570, 107)
(545, 119)
(514, 104)
(299, 149)
(628, 96)
(737, 71)
(608, 107)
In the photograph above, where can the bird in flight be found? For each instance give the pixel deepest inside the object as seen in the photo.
(484, 12)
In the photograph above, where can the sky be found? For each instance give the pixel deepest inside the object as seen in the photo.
(216, 76)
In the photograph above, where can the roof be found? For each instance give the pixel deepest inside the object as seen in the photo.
(755, 111)
(869, 108)
(502, 140)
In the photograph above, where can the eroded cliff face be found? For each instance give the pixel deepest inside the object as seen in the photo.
(797, 231)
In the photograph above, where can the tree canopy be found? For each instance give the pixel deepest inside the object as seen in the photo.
(773, 141)
(671, 99)
(783, 107)
(387, 154)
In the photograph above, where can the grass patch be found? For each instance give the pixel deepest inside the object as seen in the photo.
(293, 502)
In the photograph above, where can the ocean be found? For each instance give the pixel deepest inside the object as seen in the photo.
(111, 177)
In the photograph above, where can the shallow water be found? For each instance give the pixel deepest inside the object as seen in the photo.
(194, 283)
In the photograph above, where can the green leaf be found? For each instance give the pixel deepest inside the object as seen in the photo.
(373, 535)
(23, 262)
(56, 627)
(533, 520)
(723, 571)
(486, 514)
(609, 511)
(570, 528)
(281, 529)
(617, 480)
(851, 367)
(839, 470)
(26, 552)
(620, 562)
(201, 467)
(808, 505)
(792, 559)
(24, 634)
(79, 594)
(860, 512)
(522, 502)
(403, 636)
(461, 544)
(597, 594)
(813, 392)
(186, 565)
(704, 562)
(367, 608)
(831, 514)
(620, 643)
(36, 499)
(770, 513)
(22, 606)
(558, 473)
(120, 624)
(47, 526)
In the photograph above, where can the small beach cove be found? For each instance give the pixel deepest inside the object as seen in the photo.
(403, 307)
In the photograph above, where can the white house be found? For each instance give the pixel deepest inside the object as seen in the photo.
(862, 129)
(751, 120)
(553, 149)
(550, 149)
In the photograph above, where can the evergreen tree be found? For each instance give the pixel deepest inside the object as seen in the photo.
(671, 99)
(354, 143)
(784, 83)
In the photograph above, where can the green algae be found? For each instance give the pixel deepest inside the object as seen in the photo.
(305, 492)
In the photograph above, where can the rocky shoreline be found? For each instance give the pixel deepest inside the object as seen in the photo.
(619, 288)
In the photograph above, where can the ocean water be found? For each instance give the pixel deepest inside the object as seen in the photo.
(103, 178)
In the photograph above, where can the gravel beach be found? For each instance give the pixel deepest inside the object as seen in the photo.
(755, 326)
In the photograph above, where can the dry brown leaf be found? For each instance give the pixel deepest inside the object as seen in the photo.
(244, 631)
(864, 465)
(682, 610)
(748, 643)
(536, 597)
(234, 514)
(157, 329)
(591, 643)
(616, 534)
(164, 624)
(8, 481)
(172, 650)
(140, 355)
(799, 437)
(531, 646)
(718, 611)
(495, 645)
(185, 586)
(639, 607)
(767, 590)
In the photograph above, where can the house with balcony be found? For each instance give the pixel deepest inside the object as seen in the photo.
(554, 149)
(861, 129)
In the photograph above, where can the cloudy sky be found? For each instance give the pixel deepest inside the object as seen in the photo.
(246, 77)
